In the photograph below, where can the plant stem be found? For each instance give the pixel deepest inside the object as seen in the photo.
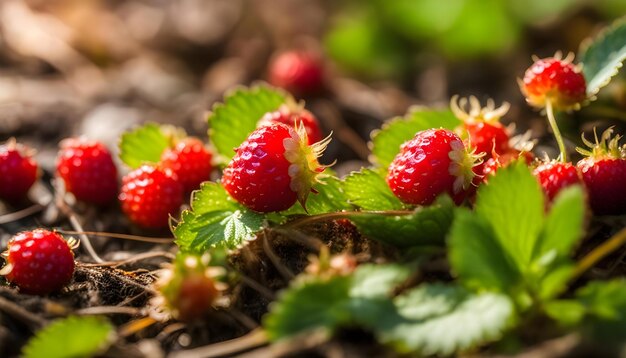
(599, 253)
(555, 130)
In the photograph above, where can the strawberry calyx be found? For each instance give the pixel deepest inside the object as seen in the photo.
(304, 169)
(464, 159)
(604, 148)
(475, 112)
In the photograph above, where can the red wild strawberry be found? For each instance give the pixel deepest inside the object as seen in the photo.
(556, 81)
(87, 170)
(434, 162)
(498, 161)
(604, 174)
(18, 171)
(39, 261)
(481, 125)
(188, 289)
(298, 72)
(273, 168)
(190, 161)
(554, 176)
(149, 195)
(293, 114)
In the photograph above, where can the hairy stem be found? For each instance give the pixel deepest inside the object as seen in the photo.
(555, 130)
(600, 252)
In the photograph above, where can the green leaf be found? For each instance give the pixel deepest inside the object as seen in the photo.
(329, 198)
(513, 204)
(564, 224)
(232, 121)
(308, 305)
(216, 220)
(605, 304)
(426, 225)
(313, 303)
(143, 145)
(368, 190)
(603, 57)
(71, 337)
(477, 256)
(437, 319)
(566, 312)
(387, 141)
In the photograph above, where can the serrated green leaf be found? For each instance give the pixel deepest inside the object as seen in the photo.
(424, 226)
(387, 141)
(368, 190)
(313, 303)
(216, 220)
(604, 57)
(564, 224)
(513, 204)
(437, 319)
(232, 121)
(329, 198)
(143, 145)
(476, 255)
(71, 337)
(372, 281)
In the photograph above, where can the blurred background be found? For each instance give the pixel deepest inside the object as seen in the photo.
(97, 67)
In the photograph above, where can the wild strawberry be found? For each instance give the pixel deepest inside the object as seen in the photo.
(188, 288)
(190, 161)
(88, 171)
(556, 81)
(38, 261)
(18, 171)
(149, 195)
(481, 125)
(293, 114)
(498, 161)
(604, 174)
(434, 162)
(554, 176)
(298, 72)
(273, 168)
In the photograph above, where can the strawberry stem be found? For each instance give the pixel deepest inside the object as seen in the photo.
(600, 252)
(555, 130)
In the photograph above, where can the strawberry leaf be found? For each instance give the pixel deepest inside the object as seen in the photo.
(424, 226)
(329, 198)
(604, 56)
(386, 142)
(232, 121)
(71, 337)
(605, 307)
(368, 190)
(143, 145)
(476, 255)
(216, 220)
(314, 303)
(437, 319)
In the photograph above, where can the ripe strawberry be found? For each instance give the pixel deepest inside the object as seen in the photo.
(38, 262)
(435, 161)
(298, 72)
(188, 289)
(190, 161)
(149, 195)
(498, 161)
(554, 80)
(18, 171)
(87, 170)
(293, 114)
(554, 176)
(273, 168)
(604, 174)
(481, 125)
